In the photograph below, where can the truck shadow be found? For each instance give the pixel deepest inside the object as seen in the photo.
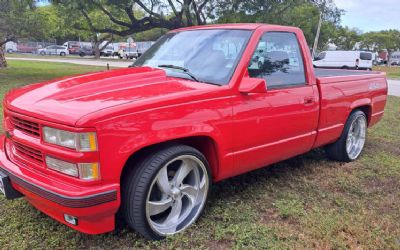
(281, 174)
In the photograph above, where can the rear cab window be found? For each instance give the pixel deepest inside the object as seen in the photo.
(278, 59)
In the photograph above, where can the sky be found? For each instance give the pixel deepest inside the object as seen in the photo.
(370, 15)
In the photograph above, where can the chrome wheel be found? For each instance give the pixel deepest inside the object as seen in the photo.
(356, 137)
(177, 195)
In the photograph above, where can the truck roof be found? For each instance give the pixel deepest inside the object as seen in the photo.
(243, 26)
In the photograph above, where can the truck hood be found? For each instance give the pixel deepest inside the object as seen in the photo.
(66, 100)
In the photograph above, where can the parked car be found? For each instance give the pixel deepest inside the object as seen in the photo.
(86, 51)
(344, 60)
(149, 141)
(74, 47)
(54, 50)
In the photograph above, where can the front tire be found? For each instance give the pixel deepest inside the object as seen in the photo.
(166, 191)
(351, 143)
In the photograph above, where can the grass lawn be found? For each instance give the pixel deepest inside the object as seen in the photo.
(307, 202)
(392, 72)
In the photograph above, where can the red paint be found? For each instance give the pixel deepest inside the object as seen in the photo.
(239, 127)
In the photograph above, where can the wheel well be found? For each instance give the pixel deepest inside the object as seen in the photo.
(367, 111)
(206, 145)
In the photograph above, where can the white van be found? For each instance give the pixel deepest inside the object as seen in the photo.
(344, 60)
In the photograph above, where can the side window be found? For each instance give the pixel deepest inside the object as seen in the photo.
(365, 56)
(278, 60)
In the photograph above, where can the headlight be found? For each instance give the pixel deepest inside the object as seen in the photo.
(84, 142)
(85, 171)
(62, 166)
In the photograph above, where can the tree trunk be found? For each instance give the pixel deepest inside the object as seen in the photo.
(96, 51)
(3, 62)
(389, 59)
(96, 47)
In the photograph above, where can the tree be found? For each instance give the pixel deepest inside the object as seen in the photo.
(346, 38)
(126, 17)
(14, 22)
(150, 35)
(55, 23)
(300, 13)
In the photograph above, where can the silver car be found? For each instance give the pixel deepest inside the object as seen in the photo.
(54, 50)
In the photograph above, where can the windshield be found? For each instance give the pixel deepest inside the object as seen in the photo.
(210, 56)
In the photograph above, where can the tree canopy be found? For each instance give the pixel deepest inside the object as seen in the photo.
(15, 20)
(345, 38)
(126, 17)
(387, 39)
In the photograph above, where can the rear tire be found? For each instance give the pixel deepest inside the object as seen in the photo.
(166, 191)
(62, 54)
(351, 143)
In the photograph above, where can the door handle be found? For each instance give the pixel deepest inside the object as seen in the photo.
(308, 100)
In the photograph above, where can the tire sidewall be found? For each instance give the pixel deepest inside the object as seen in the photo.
(353, 116)
(139, 200)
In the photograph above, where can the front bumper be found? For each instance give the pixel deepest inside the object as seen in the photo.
(94, 206)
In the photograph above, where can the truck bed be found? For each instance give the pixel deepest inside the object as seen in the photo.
(341, 72)
(341, 91)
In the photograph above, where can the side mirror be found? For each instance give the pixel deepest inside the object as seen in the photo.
(253, 85)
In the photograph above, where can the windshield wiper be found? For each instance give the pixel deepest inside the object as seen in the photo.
(185, 70)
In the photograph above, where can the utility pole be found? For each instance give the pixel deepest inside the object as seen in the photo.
(317, 36)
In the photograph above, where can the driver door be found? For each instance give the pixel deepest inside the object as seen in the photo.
(282, 122)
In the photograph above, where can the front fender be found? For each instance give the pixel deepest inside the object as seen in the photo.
(121, 137)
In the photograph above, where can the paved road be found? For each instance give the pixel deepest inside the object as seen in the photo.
(394, 85)
(91, 62)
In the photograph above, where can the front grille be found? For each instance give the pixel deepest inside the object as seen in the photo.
(27, 153)
(25, 126)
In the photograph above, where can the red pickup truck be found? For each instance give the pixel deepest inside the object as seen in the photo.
(201, 105)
